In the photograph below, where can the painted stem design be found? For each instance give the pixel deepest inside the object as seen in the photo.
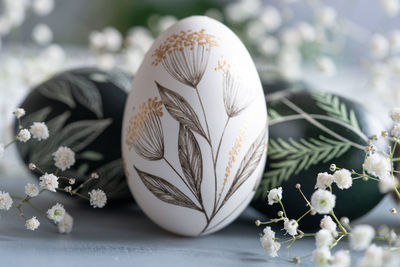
(319, 125)
(318, 117)
(211, 148)
(191, 190)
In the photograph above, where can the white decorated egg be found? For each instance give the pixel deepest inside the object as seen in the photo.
(194, 128)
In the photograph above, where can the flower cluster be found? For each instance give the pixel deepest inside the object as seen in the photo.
(378, 166)
(144, 133)
(185, 39)
(64, 158)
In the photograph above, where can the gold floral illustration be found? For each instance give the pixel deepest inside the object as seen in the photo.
(185, 55)
(233, 153)
(235, 101)
(145, 132)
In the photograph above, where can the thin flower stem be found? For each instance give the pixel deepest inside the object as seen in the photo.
(302, 216)
(272, 221)
(81, 185)
(288, 247)
(337, 241)
(338, 222)
(397, 192)
(308, 202)
(44, 214)
(9, 144)
(283, 208)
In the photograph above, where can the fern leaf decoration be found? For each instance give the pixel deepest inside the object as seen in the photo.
(336, 108)
(298, 155)
(272, 114)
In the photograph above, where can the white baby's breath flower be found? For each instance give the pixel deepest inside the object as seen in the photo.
(49, 182)
(361, 236)
(395, 132)
(133, 59)
(323, 201)
(289, 64)
(290, 37)
(39, 131)
(66, 224)
(5, 201)
(19, 113)
(326, 17)
(326, 66)
(323, 238)
(31, 190)
(1, 150)
(105, 61)
(165, 22)
(271, 18)
(255, 30)
(42, 34)
(321, 257)
(242, 10)
(113, 39)
(379, 46)
(275, 195)
(391, 7)
(341, 259)
(64, 158)
(387, 184)
(56, 213)
(140, 38)
(343, 178)
(290, 226)
(42, 7)
(32, 223)
(306, 31)
(394, 63)
(97, 40)
(377, 165)
(268, 46)
(324, 180)
(395, 41)
(373, 257)
(54, 53)
(395, 114)
(98, 198)
(23, 135)
(328, 224)
(270, 246)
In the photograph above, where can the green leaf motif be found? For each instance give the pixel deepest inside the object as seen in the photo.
(294, 156)
(272, 114)
(78, 135)
(86, 93)
(58, 89)
(335, 108)
(91, 155)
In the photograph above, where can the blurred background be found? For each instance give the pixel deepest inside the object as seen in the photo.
(349, 47)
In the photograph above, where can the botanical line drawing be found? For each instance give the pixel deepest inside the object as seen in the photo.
(185, 57)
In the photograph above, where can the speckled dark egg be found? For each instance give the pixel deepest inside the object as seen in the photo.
(83, 110)
(310, 130)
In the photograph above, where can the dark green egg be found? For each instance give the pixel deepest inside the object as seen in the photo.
(309, 130)
(83, 110)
